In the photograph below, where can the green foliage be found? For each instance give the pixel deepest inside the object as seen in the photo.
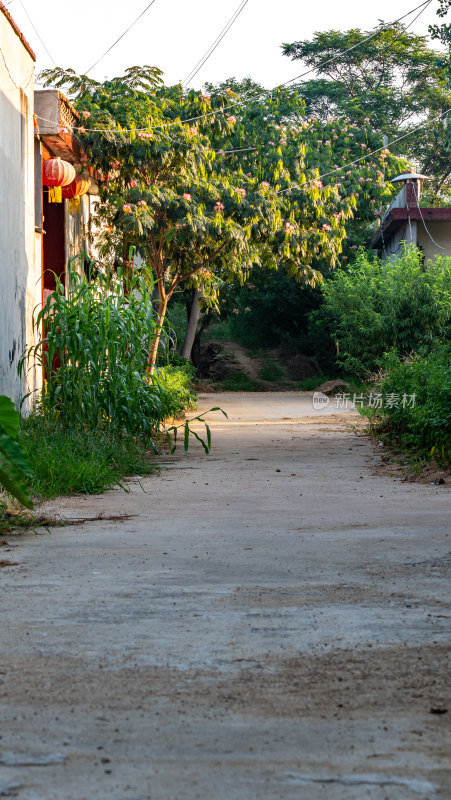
(67, 460)
(175, 385)
(94, 350)
(425, 426)
(15, 469)
(269, 310)
(393, 80)
(204, 203)
(372, 308)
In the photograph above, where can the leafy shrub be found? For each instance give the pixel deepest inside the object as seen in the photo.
(94, 349)
(371, 308)
(175, 387)
(425, 426)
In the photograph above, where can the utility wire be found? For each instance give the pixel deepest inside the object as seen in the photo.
(37, 34)
(241, 102)
(216, 42)
(424, 223)
(120, 37)
(363, 41)
(367, 155)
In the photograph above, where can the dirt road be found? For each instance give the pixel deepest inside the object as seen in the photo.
(274, 622)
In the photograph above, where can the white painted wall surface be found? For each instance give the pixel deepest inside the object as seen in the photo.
(441, 234)
(19, 268)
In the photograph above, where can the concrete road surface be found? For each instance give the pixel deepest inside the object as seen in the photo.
(272, 622)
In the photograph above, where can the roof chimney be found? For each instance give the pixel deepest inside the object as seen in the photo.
(412, 177)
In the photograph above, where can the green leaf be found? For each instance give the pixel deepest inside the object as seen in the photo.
(15, 454)
(9, 417)
(15, 485)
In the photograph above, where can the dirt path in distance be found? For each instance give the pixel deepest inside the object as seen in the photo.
(273, 623)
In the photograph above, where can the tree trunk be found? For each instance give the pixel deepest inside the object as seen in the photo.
(194, 318)
(153, 351)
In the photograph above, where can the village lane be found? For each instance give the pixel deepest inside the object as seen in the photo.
(271, 621)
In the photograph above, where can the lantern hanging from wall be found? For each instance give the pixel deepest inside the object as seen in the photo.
(79, 186)
(57, 173)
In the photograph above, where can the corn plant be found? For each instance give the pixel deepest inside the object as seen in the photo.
(93, 350)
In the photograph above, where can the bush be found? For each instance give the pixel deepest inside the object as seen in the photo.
(425, 427)
(175, 386)
(370, 308)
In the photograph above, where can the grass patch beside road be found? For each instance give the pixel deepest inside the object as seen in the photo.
(69, 461)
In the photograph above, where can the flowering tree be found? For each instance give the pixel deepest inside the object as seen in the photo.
(196, 211)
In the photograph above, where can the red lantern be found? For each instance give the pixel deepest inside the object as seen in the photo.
(57, 173)
(77, 188)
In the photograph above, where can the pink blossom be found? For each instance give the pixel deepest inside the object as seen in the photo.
(318, 184)
(327, 143)
(231, 120)
(326, 227)
(265, 184)
(193, 130)
(219, 206)
(86, 114)
(187, 196)
(127, 209)
(205, 97)
(142, 203)
(242, 192)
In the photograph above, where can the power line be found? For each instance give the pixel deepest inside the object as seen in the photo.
(216, 42)
(120, 37)
(37, 34)
(422, 219)
(171, 123)
(367, 155)
(363, 41)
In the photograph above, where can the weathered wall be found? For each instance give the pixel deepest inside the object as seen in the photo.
(440, 232)
(19, 245)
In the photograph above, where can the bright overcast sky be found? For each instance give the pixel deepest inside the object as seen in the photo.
(174, 34)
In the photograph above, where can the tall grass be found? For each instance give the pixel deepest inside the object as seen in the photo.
(94, 347)
(71, 461)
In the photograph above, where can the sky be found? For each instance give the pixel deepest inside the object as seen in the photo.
(174, 34)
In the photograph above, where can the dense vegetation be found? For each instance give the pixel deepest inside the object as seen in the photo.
(422, 426)
(371, 308)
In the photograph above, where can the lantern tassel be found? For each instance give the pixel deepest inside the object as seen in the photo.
(55, 194)
(74, 205)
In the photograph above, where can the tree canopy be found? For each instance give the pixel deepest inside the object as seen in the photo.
(393, 78)
(207, 186)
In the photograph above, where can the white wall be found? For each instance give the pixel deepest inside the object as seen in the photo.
(441, 234)
(20, 289)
